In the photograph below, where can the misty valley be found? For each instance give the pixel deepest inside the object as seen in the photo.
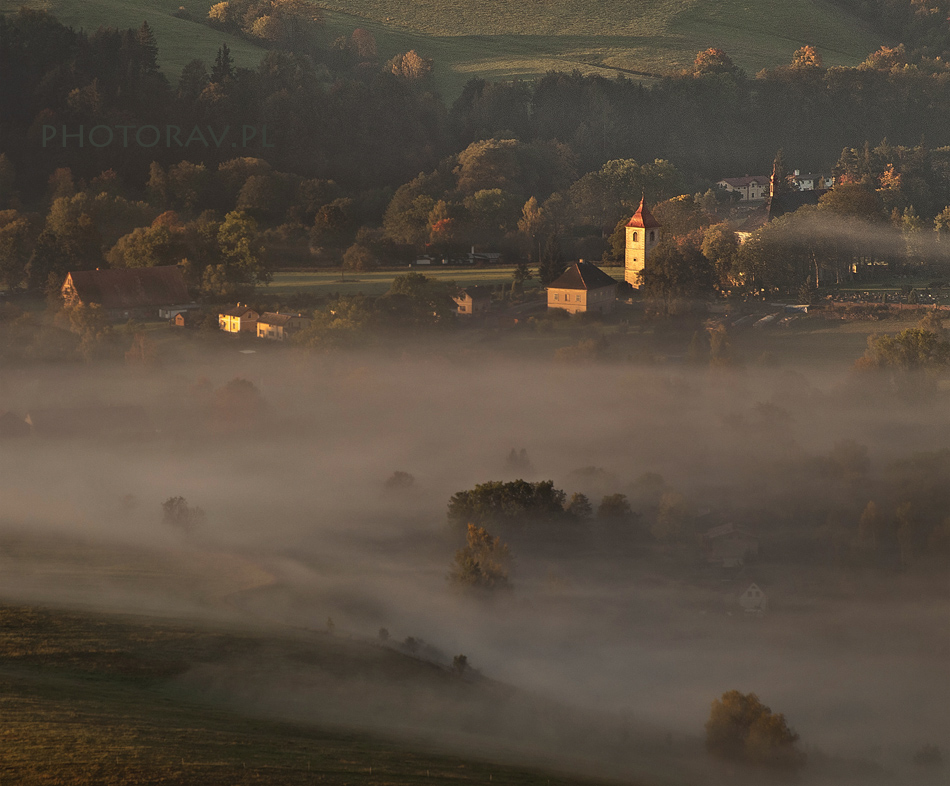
(322, 526)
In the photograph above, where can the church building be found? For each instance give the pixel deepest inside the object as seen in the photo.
(643, 233)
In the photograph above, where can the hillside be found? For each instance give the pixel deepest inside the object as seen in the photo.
(503, 39)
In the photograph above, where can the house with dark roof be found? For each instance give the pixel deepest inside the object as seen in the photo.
(749, 189)
(473, 301)
(581, 288)
(240, 319)
(124, 293)
(277, 326)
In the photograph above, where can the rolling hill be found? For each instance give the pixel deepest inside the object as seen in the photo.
(499, 39)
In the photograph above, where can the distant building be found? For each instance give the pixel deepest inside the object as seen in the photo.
(124, 293)
(729, 546)
(240, 319)
(473, 301)
(812, 182)
(642, 235)
(277, 326)
(186, 319)
(490, 257)
(749, 189)
(583, 287)
(753, 600)
(170, 312)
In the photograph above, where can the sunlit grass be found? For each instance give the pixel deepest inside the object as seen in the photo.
(502, 39)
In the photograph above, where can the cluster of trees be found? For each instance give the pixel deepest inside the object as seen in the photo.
(413, 301)
(369, 166)
(290, 24)
(664, 515)
(741, 728)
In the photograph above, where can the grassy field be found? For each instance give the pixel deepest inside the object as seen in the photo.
(502, 39)
(377, 282)
(179, 40)
(91, 698)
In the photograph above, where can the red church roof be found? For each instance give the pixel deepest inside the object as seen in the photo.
(643, 218)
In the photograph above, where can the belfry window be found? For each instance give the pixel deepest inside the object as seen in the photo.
(634, 238)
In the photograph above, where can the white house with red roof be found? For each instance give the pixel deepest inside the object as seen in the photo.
(750, 189)
(643, 233)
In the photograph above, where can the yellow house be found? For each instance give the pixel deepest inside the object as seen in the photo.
(473, 301)
(277, 326)
(239, 319)
(581, 288)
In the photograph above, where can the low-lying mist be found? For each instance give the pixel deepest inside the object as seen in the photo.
(300, 527)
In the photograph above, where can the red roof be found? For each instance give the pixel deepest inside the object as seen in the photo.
(742, 182)
(643, 218)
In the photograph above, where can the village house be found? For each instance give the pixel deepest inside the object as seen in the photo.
(642, 236)
(240, 319)
(749, 189)
(754, 601)
(729, 546)
(812, 182)
(187, 319)
(277, 326)
(124, 293)
(583, 287)
(473, 301)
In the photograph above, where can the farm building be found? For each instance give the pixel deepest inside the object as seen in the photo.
(749, 189)
(240, 319)
(187, 319)
(754, 600)
(277, 326)
(583, 287)
(473, 301)
(124, 293)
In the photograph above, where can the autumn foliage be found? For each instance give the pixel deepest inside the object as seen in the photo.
(741, 728)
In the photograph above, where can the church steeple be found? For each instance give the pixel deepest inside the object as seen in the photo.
(643, 233)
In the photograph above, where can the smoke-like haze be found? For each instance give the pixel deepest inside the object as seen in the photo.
(299, 527)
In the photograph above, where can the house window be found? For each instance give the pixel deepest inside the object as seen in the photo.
(555, 297)
(652, 236)
(577, 298)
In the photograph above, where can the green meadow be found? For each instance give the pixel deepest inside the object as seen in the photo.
(502, 39)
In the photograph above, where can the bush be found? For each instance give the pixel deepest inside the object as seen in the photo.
(177, 513)
(482, 563)
(741, 728)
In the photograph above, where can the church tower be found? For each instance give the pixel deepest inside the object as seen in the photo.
(643, 233)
